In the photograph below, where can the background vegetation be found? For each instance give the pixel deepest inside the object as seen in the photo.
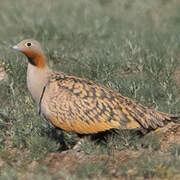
(130, 46)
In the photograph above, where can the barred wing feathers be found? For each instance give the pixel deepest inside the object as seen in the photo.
(82, 106)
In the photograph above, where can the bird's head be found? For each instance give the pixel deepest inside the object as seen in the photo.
(33, 51)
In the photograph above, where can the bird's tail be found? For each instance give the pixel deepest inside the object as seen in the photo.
(159, 119)
(169, 117)
(150, 118)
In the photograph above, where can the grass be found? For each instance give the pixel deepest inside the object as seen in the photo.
(149, 166)
(175, 150)
(91, 170)
(131, 47)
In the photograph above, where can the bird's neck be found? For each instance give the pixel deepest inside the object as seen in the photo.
(39, 61)
(37, 78)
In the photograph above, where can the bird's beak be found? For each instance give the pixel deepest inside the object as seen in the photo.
(15, 48)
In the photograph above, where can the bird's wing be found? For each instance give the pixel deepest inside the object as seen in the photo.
(82, 106)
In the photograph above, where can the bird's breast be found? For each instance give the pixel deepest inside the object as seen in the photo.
(36, 80)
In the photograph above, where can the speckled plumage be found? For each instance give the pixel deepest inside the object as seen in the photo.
(82, 106)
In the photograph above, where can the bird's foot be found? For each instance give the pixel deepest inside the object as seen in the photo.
(77, 146)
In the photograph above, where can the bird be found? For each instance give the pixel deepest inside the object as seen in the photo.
(79, 105)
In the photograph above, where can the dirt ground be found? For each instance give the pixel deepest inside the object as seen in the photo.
(71, 159)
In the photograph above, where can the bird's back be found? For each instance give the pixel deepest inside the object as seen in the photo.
(82, 106)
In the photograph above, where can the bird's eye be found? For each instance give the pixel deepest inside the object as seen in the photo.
(28, 44)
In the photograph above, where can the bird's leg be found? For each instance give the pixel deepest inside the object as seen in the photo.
(77, 146)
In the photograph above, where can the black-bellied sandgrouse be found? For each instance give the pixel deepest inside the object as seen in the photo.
(80, 105)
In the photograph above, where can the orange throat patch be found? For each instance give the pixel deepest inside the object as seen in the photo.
(35, 58)
(39, 62)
